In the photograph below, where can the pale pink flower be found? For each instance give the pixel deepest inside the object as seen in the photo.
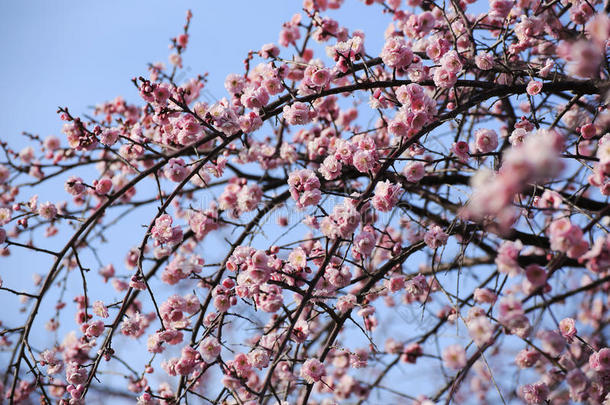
(109, 136)
(94, 329)
(588, 131)
(346, 302)
(234, 83)
(567, 328)
(269, 51)
(176, 170)
(386, 196)
(100, 309)
(451, 62)
(298, 113)
(103, 186)
(365, 160)
(414, 171)
(163, 232)
(74, 185)
(486, 140)
(534, 87)
(411, 353)
(484, 60)
(47, 210)
(209, 349)
(536, 393)
(527, 358)
(444, 78)
(480, 329)
(259, 358)
(331, 168)
(485, 295)
(75, 374)
(312, 370)
(454, 357)
(435, 237)
(396, 53)
(107, 272)
(304, 188)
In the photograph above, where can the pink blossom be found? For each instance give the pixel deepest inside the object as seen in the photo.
(255, 97)
(304, 188)
(454, 357)
(331, 168)
(444, 78)
(100, 309)
(486, 140)
(411, 353)
(75, 374)
(342, 222)
(395, 283)
(94, 329)
(386, 196)
(47, 210)
(107, 272)
(536, 393)
(312, 370)
(163, 232)
(417, 285)
(250, 122)
(134, 325)
(450, 62)
(396, 53)
(51, 143)
(259, 358)
(74, 185)
(109, 136)
(435, 237)
(298, 114)
(365, 160)
(480, 329)
(209, 349)
(269, 51)
(567, 328)
(600, 360)
(346, 302)
(588, 131)
(485, 295)
(103, 186)
(536, 275)
(484, 60)
(176, 170)
(460, 149)
(364, 243)
(527, 358)
(534, 87)
(225, 118)
(414, 171)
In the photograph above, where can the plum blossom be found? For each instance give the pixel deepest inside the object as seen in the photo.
(304, 188)
(163, 232)
(386, 196)
(298, 114)
(435, 237)
(312, 370)
(454, 357)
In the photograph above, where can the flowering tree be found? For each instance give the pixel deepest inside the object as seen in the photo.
(338, 219)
